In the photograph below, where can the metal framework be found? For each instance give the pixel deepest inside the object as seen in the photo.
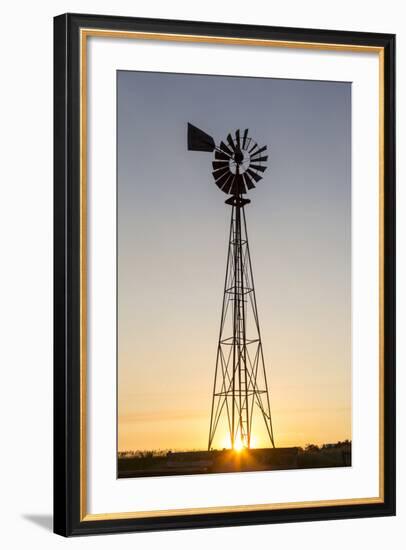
(240, 383)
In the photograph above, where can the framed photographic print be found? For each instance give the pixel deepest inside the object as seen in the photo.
(224, 274)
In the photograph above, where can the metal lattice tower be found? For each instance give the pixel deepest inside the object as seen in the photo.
(240, 392)
(240, 383)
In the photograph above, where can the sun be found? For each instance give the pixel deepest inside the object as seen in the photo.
(238, 443)
(238, 446)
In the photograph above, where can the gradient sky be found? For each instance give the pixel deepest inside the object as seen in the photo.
(172, 244)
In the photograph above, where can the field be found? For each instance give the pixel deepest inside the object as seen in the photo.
(148, 463)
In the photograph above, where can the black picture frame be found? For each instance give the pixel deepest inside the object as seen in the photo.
(68, 520)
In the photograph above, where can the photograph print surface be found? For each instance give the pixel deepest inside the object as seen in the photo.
(233, 274)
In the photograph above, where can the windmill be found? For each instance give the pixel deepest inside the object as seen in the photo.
(240, 392)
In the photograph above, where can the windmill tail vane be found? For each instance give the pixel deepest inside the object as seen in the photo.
(240, 400)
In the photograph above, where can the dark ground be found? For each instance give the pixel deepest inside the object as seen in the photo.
(203, 462)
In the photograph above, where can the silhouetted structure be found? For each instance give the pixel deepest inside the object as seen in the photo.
(240, 383)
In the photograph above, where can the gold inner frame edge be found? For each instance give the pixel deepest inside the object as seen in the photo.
(84, 34)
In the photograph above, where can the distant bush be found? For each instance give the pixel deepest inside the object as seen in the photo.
(143, 453)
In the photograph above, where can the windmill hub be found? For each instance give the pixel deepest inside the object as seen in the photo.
(238, 156)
